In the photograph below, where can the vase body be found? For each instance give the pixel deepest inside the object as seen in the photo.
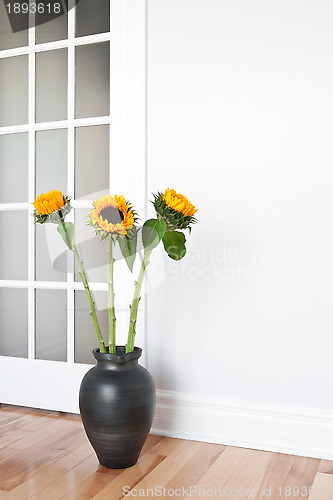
(117, 405)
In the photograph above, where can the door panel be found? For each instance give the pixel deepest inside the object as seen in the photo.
(56, 132)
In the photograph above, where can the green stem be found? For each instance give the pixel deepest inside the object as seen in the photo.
(111, 309)
(136, 300)
(90, 300)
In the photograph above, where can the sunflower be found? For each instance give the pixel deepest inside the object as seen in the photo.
(52, 206)
(175, 209)
(112, 215)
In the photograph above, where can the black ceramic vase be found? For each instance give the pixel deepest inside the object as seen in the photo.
(117, 405)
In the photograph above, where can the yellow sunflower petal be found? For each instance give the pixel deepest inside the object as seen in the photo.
(179, 202)
(49, 202)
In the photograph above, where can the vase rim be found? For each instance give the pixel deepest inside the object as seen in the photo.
(121, 355)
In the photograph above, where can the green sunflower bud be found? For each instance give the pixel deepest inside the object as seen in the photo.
(174, 209)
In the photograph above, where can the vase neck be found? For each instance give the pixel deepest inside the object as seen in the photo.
(119, 361)
(111, 365)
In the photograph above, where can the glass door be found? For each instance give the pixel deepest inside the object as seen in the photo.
(69, 120)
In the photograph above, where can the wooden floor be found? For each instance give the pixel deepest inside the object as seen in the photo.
(46, 455)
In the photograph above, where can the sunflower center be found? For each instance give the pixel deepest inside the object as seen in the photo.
(112, 214)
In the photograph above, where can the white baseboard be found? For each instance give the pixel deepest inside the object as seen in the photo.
(291, 431)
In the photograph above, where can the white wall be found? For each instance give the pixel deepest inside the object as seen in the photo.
(240, 109)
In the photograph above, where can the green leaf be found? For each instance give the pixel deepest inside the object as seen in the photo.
(128, 249)
(174, 244)
(152, 232)
(67, 232)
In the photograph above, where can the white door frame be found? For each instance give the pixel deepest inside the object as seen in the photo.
(52, 384)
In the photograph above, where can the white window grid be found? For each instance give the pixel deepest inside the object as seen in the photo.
(31, 284)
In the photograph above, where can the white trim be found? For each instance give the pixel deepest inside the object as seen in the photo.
(137, 161)
(128, 104)
(137, 154)
(137, 105)
(119, 82)
(301, 432)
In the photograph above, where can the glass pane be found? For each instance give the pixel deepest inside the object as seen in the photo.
(92, 97)
(85, 336)
(14, 91)
(51, 22)
(51, 325)
(91, 249)
(51, 85)
(91, 161)
(14, 322)
(91, 20)
(14, 245)
(51, 161)
(8, 39)
(51, 255)
(14, 155)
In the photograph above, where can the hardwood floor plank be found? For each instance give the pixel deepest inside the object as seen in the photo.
(6, 417)
(21, 467)
(92, 484)
(257, 486)
(71, 441)
(13, 457)
(301, 475)
(11, 438)
(21, 421)
(31, 423)
(196, 467)
(243, 479)
(129, 477)
(98, 480)
(42, 479)
(30, 416)
(220, 471)
(52, 427)
(275, 474)
(5, 453)
(151, 441)
(57, 440)
(322, 487)
(17, 409)
(166, 446)
(326, 466)
(60, 487)
(167, 469)
(37, 422)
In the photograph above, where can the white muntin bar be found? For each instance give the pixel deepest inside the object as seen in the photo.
(78, 122)
(7, 207)
(59, 44)
(52, 285)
